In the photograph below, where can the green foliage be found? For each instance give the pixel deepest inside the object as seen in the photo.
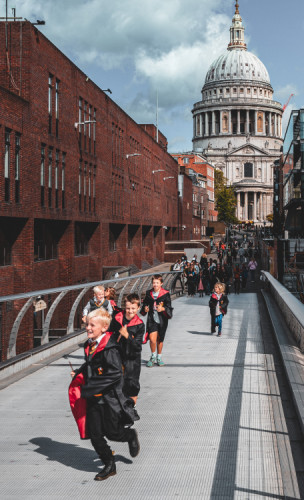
(225, 199)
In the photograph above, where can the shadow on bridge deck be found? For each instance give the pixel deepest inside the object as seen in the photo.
(207, 428)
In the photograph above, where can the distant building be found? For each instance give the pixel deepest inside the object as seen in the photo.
(202, 175)
(237, 125)
(292, 175)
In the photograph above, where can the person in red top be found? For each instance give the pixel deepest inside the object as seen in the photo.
(130, 330)
(157, 303)
(98, 404)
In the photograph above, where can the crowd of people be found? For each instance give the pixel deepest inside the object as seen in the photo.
(233, 265)
(104, 390)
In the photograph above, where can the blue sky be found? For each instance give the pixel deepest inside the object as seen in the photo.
(141, 47)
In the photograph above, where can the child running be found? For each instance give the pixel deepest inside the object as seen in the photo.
(218, 305)
(157, 303)
(131, 330)
(96, 302)
(96, 397)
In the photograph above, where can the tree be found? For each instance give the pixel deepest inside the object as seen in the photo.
(226, 204)
(220, 182)
(225, 200)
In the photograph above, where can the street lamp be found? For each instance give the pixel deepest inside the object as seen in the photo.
(170, 177)
(160, 170)
(133, 154)
(84, 123)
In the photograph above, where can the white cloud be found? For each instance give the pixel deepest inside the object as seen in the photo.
(141, 47)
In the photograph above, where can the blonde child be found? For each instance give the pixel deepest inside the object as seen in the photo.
(218, 304)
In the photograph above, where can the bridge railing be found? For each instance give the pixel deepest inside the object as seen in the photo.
(23, 304)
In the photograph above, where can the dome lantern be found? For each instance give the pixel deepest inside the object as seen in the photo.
(237, 31)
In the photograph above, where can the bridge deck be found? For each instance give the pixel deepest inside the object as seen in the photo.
(211, 422)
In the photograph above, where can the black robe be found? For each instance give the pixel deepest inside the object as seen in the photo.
(100, 379)
(164, 316)
(130, 350)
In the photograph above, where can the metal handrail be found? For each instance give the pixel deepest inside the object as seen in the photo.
(136, 283)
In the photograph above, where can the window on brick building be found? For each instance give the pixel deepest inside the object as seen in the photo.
(42, 177)
(90, 187)
(57, 107)
(132, 231)
(90, 129)
(94, 189)
(82, 235)
(114, 234)
(50, 93)
(17, 167)
(7, 162)
(46, 239)
(94, 132)
(79, 185)
(80, 119)
(56, 179)
(85, 105)
(50, 178)
(5, 241)
(144, 235)
(63, 180)
(85, 170)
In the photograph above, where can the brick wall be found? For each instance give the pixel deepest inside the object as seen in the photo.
(117, 190)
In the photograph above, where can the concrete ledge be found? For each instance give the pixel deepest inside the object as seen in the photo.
(291, 308)
(292, 357)
(38, 354)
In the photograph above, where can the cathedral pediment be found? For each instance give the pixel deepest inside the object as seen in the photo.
(247, 149)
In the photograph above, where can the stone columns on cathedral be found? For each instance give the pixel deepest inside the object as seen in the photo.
(247, 121)
(246, 206)
(213, 123)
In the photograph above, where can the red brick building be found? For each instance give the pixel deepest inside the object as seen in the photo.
(77, 191)
(83, 186)
(202, 175)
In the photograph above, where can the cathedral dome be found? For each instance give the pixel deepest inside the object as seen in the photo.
(237, 64)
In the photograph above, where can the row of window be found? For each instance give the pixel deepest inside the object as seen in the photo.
(87, 187)
(12, 166)
(53, 104)
(254, 91)
(87, 126)
(52, 177)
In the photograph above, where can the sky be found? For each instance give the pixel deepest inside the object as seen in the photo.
(142, 49)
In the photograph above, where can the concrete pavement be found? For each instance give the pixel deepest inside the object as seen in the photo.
(208, 427)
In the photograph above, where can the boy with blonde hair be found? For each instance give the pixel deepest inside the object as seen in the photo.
(96, 302)
(97, 401)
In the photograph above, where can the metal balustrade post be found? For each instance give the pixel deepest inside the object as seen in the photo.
(70, 327)
(122, 293)
(11, 351)
(47, 322)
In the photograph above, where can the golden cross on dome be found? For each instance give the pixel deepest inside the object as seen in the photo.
(237, 7)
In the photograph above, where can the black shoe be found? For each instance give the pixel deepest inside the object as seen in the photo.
(133, 443)
(108, 470)
(212, 331)
(136, 416)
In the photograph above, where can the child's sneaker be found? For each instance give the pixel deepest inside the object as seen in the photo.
(160, 362)
(151, 362)
(219, 334)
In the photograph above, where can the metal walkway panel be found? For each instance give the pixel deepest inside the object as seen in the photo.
(206, 430)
